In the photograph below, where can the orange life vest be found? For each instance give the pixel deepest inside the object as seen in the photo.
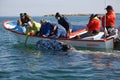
(109, 19)
(94, 24)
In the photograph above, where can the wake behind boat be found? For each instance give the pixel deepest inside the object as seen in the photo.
(96, 41)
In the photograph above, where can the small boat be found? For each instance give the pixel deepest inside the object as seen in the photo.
(96, 41)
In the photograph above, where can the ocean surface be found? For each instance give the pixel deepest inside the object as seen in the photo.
(18, 62)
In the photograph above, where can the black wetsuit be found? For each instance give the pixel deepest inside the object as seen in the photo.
(65, 23)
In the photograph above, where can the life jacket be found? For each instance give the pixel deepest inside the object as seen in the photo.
(109, 19)
(36, 25)
(94, 24)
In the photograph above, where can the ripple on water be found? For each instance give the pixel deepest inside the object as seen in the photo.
(20, 63)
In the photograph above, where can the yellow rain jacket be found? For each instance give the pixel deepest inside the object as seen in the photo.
(36, 27)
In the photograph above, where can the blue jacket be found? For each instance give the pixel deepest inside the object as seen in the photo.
(60, 32)
(45, 30)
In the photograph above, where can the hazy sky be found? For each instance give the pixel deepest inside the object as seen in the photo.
(43, 7)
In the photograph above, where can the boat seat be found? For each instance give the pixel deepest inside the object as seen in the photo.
(96, 37)
(78, 32)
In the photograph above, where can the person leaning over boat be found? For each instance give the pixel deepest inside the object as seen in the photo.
(109, 20)
(45, 28)
(64, 22)
(33, 28)
(93, 26)
(57, 31)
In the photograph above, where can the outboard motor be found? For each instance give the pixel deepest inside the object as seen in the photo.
(117, 39)
(53, 45)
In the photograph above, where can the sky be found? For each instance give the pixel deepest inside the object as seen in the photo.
(43, 7)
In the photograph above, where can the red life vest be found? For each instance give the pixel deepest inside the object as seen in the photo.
(94, 24)
(110, 19)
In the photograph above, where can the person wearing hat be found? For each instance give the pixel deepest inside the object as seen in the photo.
(64, 22)
(109, 20)
(45, 28)
(24, 19)
(93, 27)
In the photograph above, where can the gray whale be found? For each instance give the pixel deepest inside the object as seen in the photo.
(53, 45)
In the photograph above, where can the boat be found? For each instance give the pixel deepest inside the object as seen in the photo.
(89, 42)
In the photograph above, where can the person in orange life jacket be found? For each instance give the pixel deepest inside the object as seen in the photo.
(93, 26)
(109, 20)
(64, 22)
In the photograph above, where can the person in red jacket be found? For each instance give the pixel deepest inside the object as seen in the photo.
(93, 26)
(109, 20)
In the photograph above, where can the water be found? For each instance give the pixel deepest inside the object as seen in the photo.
(18, 62)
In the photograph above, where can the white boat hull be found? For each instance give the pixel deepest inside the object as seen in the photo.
(103, 44)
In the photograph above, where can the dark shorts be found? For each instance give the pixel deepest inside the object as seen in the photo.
(110, 30)
(95, 32)
(86, 35)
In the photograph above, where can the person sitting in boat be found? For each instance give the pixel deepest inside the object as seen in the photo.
(24, 19)
(45, 28)
(109, 20)
(57, 31)
(29, 24)
(64, 22)
(93, 26)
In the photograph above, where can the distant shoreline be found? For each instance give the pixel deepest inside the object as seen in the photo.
(61, 14)
(68, 14)
(76, 14)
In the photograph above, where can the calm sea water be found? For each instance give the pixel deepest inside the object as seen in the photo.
(18, 62)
